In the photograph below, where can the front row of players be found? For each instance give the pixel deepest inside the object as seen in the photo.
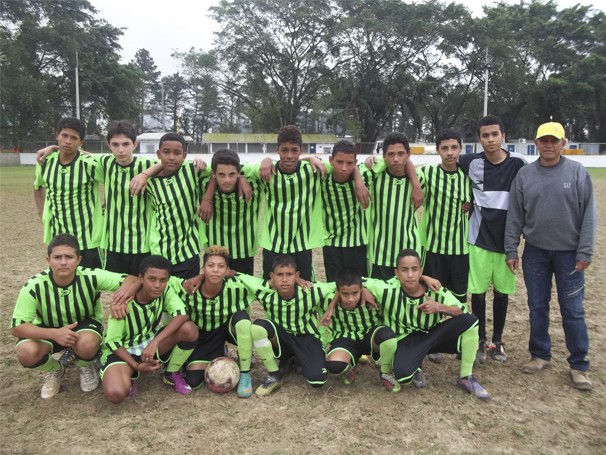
(59, 309)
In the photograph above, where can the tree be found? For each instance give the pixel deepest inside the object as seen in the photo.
(150, 87)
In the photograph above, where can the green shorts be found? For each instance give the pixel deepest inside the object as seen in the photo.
(486, 268)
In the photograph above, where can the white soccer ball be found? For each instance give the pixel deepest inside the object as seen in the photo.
(222, 375)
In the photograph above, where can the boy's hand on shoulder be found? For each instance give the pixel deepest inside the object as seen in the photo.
(267, 169)
(200, 164)
(138, 184)
(205, 210)
(432, 283)
(43, 153)
(370, 161)
(304, 284)
(191, 285)
(65, 336)
(367, 298)
(317, 165)
(244, 189)
(118, 310)
(416, 196)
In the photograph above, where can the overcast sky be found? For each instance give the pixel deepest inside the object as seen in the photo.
(162, 27)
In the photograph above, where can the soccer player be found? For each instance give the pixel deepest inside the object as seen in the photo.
(559, 242)
(491, 173)
(61, 309)
(290, 327)
(176, 231)
(416, 315)
(219, 309)
(66, 192)
(357, 331)
(139, 342)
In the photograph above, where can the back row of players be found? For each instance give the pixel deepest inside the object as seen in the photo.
(53, 313)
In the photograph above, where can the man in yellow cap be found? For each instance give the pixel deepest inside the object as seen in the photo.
(552, 205)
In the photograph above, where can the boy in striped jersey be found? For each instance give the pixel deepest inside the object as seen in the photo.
(415, 313)
(138, 343)
(66, 192)
(60, 309)
(357, 331)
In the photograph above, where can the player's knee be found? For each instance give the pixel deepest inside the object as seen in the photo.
(316, 378)
(29, 355)
(194, 378)
(114, 393)
(403, 373)
(87, 347)
(336, 367)
(188, 332)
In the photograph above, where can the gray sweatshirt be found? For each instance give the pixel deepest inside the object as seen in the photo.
(554, 208)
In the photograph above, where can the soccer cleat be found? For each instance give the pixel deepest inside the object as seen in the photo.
(89, 379)
(536, 365)
(272, 382)
(497, 352)
(390, 382)
(363, 359)
(132, 391)
(67, 358)
(245, 385)
(481, 354)
(580, 380)
(349, 376)
(419, 380)
(52, 384)
(436, 357)
(471, 385)
(176, 380)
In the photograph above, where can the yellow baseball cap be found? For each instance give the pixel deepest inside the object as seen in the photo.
(551, 129)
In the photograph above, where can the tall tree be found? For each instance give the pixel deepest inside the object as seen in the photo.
(150, 87)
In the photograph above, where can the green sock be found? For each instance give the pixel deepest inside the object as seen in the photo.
(179, 356)
(264, 348)
(84, 363)
(49, 365)
(244, 339)
(469, 346)
(387, 350)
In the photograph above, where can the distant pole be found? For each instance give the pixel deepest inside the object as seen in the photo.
(162, 91)
(486, 85)
(77, 89)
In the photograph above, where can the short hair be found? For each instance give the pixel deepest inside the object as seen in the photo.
(344, 146)
(63, 240)
(72, 123)
(284, 260)
(491, 120)
(448, 133)
(173, 137)
(290, 133)
(405, 253)
(348, 276)
(154, 262)
(395, 138)
(124, 127)
(216, 250)
(225, 156)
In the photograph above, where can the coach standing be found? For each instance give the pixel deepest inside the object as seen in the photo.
(551, 204)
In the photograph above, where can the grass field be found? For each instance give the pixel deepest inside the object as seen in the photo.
(539, 414)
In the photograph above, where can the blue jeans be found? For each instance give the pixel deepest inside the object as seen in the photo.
(539, 266)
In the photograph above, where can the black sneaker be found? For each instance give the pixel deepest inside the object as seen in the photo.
(481, 355)
(271, 383)
(497, 352)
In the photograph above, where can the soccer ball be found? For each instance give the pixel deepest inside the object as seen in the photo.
(222, 375)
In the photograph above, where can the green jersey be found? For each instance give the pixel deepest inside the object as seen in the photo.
(176, 231)
(444, 224)
(42, 302)
(354, 324)
(298, 315)
(125, 216)
(400, 311)
(210, 313)
(72, 199)
(345, 220)
(292, 217)
(141, 324)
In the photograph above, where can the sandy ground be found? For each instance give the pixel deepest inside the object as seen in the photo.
(539, 414)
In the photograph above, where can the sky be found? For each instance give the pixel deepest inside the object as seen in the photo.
(162, 27)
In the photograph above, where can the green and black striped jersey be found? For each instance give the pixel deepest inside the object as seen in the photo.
(354, 324)
(393, 224)
(125, 216)
(292, 218)
(210, 313)
(444, 224)
(298, 315)
(72, 199)
(42, 302)
(345, 220)
(141, 323)
(235, 222)
(399, 310)
(175, 229)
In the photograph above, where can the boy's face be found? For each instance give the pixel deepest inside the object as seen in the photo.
(409, 271)
(350, 295)
(343, 165)
(396, 157)
(172, 155)
(154, 281)
(449, 151)
(63, 261)
(226, 176)
(283, 278)
(122, 147)
(289, 153)
(215, 269)
(491, 138)
(69, 141)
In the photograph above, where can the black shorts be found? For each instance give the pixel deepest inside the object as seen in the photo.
(189, 268)
(113, 359)
(244, 265)
(382, 272)
(211, 345)
(302, 258)
(335, 258)
(86, 325)
(123, 262)
(451, 270)
(90, 258)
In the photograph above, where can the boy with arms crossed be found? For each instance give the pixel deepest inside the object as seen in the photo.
(138, 343)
